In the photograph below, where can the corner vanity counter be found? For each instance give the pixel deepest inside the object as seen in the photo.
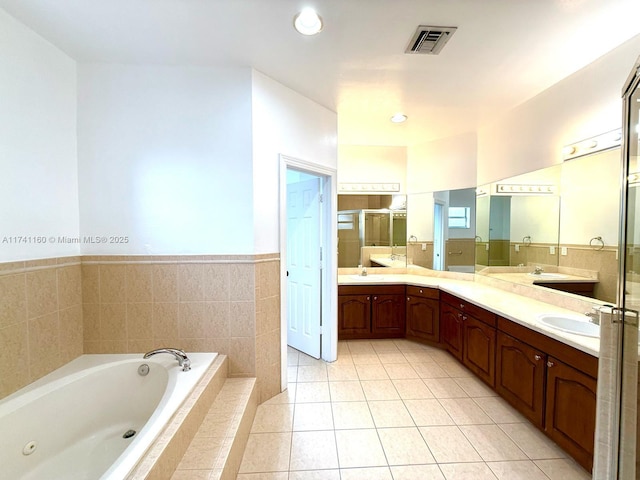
(546, 373)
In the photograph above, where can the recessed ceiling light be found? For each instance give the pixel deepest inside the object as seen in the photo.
(308, 22)
(399, 118)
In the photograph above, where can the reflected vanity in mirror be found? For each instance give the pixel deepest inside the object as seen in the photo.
(560, 222)
(441, 229)
(372, 231)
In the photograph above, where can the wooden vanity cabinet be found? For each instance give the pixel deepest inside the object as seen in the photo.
(423, 314)
(371, 311)
(469, 334)
(520, 376)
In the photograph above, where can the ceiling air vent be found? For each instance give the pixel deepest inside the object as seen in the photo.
(429, 40)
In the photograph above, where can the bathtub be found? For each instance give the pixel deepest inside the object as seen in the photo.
(94, 417)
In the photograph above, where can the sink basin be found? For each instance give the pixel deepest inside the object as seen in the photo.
(548, 276)
(578, 324)
(368, 278)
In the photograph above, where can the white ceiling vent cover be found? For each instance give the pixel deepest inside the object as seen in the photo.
(430, 40)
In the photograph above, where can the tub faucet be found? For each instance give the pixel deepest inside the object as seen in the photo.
(538, 271)
(182, 358)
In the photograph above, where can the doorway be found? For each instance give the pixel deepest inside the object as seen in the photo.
(438, 236)
(308, 263)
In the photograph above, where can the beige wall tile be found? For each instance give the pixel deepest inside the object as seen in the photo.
(42, 293)
(242, 356)
(15, 344)
(44, 345)
(113, 283)
(113, 321)
(139, 321)
(139, 283)
(69, 286)
(90, 283)
(165, 320)
(13, 299)
(191, 282)
(217, 315)
(191, 322)
(91, 331)
(165, 283)
(243, 319)
(71, 333)
(217, 282)
(242, 282)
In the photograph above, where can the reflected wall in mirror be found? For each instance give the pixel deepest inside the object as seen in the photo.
(571, 235)
(372, 230)
(441, 229)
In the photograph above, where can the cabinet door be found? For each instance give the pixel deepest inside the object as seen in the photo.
(451, 329)
(354, 316)
(423, 318)
(479, 347)
(520, 376)
(388, 316)
(571, 410)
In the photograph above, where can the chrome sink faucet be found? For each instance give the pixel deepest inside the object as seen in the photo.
(179, 355)
(538, 270)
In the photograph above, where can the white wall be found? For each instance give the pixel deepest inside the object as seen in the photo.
(589, 185)
(38, 183)
(372, 164)
(585, 104)
(284, 122)
(165, 159)
(445, 164)
(420, 216)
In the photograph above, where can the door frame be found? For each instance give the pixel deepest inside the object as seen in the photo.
(329, 264)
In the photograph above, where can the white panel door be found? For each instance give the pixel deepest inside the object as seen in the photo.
(303, 266)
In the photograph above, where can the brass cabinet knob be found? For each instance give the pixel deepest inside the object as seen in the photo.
(550, 363)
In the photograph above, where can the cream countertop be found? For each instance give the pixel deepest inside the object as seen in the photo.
(517, 308)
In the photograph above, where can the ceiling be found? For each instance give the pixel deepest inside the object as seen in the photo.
(503, 53)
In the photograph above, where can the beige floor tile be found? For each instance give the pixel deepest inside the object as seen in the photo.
(379, 390)
(388, 358)
(342, 347)
(464, 411)
(390, 413)
(343, 359)
(266, 452)
(273, 418)
(292, 357)
(304, 359)
(261, 476)
(440, 355)
(366, 359)
(312, 392)
(216, 425)
(288, 396)
(359, 448)
(417, 472)
(475, 387)
(429, 370)
(375, 473)
(412, 389)
(346, 391)
(449, 445)
(492, 444)
(532, 441)
(498, 410)
(404, 446)
(400, 371)
(342, 372)
(351, 415)
(315, 475)
(371, 372)
(360, 347)
(292, 374)
(312, 373)
(384, 345)
(418, 356)
(455, 369)
(526, 470)
(444, 388)
(562, 469)
(313, 451)
(312, 416)
(464, 471)
(428, 412)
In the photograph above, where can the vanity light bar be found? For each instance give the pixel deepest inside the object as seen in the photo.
(368, 187)
(511, 189)
(599, 143)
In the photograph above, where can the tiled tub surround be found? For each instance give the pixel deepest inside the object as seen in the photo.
(53, 310)
(40, 319)
(224, 304)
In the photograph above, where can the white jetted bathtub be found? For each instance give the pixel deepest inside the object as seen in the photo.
(94, 418)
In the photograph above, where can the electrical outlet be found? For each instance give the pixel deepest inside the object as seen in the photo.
(486, 247)
(424, 247)
(563, 250)
(517, 247)
(552, 250)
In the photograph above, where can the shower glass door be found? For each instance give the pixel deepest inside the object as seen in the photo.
(628, 441)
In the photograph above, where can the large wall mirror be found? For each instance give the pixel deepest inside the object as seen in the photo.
(561, 222)
(441, 230)
(372, 231)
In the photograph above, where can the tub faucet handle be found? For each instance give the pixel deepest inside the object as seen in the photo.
(179, 355)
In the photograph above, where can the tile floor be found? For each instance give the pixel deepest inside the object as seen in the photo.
(394, 409)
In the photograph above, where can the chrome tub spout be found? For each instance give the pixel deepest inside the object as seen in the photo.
(179, 355)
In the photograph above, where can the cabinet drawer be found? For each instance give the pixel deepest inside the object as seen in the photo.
(371, 289)
(424, 292)
(469, 308)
